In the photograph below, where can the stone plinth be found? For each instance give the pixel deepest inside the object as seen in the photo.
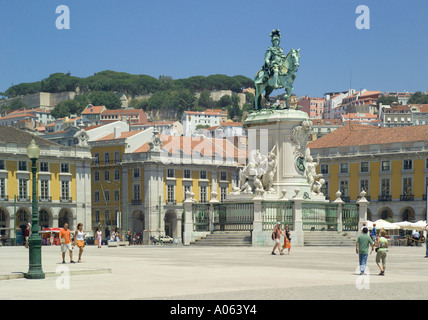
(286, 130)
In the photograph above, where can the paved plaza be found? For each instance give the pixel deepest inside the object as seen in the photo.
(214, 273)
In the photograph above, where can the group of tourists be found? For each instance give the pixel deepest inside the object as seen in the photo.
(276, 236)
(362, 246)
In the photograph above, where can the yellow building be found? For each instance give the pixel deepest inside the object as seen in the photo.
(63, 183)
(140, 179)
(390, 164)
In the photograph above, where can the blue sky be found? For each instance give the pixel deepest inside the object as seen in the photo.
(185, 38)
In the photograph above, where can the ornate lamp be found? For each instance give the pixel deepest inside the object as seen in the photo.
(35, 241)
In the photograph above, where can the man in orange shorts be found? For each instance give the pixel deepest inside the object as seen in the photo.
(65, 238)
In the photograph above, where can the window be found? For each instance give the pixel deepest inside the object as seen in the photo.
(97, 159)
(136, 192)
(223, 193)
(117, 195)
(364, 185)
(96, 175)
(386, 166)
(136, 173)
(203, 196)
(65, 168)
(187, 174)
(97, 216)
(2, 188)
(364, 167)
(22, 165)
(106, 175)
(407, 165)
(170, 173)
(343, 168)
(2, 165)
(223, 176)
(324, 168)
(22, 188)
(44, 189)
(65, 190)
(107, 195)
(385, 189)
(344, 188)
(407, 186)
(96, 196)
(116, 175)
(44, 167)
(107, 217)
(116, 157)
(203, 174)
(106, 158)
(170, 193)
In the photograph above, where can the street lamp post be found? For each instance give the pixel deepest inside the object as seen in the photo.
(35, 241)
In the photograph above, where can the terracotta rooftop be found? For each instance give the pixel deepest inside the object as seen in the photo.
(361, 135)
(204, 146)
(10, 134)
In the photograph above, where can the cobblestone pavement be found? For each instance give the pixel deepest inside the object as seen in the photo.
(226, 273)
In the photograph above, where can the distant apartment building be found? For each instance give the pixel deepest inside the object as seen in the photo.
(361, 118)
(131, 116)
(360, 98)
(321, 127)
(41, 116)
(313, 106)
(419, 114)
(192, 120)
(333, 104)
(396, 115)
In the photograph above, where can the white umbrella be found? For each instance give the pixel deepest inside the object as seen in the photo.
(403, 224)
(420, 225)
(382, 224)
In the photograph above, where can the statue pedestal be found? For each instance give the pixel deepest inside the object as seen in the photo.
(287, 130)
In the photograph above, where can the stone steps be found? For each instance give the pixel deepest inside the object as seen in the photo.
(225, 238)
(327, 238)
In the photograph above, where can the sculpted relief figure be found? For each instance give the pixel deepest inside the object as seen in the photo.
(259, 173)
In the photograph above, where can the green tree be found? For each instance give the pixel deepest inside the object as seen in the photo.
(105, 98)
(418, 98)
(387, 100)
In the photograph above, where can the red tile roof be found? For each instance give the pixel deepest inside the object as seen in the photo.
(360, 135)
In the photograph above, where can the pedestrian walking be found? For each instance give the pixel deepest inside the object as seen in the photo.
(79, 240)
(99, 237)
(287, 239)
(362, 248)
(381, 246)
(373, 233)
(276, 236)
(66, 244)
(27, 234)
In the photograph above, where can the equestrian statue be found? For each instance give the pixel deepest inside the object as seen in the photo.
(278, 71)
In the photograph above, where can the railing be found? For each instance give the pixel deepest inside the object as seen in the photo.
(274, 212)
(136, 202)
(407, 197)
(23, 199)
(319, 217)
(200, 214)
(66, 199)
(350, 217)
(45, 199)
(385, 198)
(233, 217)
(171, 202)
(4, 198)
